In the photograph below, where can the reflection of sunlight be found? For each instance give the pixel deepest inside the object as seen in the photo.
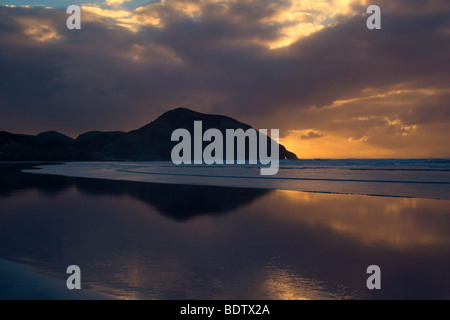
(302, 197)
(282, 284)
(129, 280)
(395, 222)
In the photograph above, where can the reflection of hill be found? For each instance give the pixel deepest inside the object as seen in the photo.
(180, 202)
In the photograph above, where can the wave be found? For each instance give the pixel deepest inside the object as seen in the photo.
(275, 178)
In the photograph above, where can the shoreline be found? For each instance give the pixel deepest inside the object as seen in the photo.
(379, 182)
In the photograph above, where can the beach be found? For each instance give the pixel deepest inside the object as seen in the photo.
(152, 240)
(225, 150)
(415, 178)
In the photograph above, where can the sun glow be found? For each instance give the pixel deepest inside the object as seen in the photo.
(39, 30)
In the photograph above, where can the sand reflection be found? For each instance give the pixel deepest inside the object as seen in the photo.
(400, 223)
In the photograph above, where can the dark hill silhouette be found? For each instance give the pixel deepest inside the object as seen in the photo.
(151, 142)
(93, 143)
(99, 135)
(53, 136)
(16, 147)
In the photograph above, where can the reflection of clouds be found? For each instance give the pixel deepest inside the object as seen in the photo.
(400, 223)
(136, 276)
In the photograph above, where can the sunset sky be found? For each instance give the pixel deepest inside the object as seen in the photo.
(309, 68)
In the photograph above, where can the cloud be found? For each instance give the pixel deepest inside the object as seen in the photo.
(312, 135)
(301, 66)
(115, 3)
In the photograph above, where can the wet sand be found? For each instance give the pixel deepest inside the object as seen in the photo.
(19, 282)
(138, 240)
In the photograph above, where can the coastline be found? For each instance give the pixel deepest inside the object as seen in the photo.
(409, 180)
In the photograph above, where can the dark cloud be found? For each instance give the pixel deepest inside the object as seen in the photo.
(312, 135)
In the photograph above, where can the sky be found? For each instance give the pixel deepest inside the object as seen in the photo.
(311, 68)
